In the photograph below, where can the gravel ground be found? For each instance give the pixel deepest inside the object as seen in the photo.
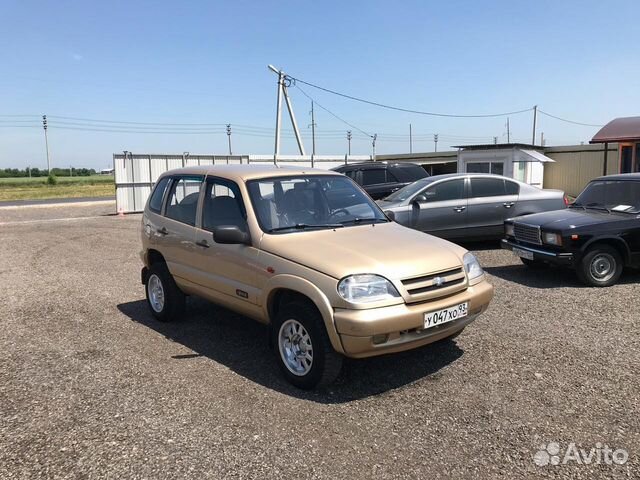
(92, 387)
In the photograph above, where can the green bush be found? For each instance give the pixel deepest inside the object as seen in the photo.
(52, 179)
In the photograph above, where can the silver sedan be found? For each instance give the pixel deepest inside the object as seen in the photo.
(467, 205)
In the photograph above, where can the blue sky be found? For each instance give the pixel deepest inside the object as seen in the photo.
(206, 62)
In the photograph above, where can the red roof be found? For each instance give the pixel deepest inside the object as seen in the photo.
(619, 130)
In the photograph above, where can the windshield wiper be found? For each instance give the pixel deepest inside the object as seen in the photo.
(597, 206)
(360, 221)
(303, 226)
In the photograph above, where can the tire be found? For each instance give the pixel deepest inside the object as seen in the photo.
(310, 360)
(533, 263)
(164, 298)
(601, 266)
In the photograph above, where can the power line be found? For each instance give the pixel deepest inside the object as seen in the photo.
(407, 110)
(569, 121)
(330, 112)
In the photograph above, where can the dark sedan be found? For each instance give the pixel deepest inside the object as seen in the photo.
(598, 235)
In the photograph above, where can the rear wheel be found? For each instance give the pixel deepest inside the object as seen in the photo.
(164, 298)
(601, 266)
(303, 349)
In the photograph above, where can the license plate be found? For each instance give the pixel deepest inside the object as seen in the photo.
(431, 319)
(523, 253)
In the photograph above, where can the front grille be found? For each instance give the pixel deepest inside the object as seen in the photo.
(435, 285)
(527, 233)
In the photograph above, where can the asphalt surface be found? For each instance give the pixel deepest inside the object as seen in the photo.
(92, 387)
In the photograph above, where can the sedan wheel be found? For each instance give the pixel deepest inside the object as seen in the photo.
(600, 267)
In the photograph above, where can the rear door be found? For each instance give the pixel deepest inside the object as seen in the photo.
(444, 213)
(177, 232)
(489, 205)
(376, 182)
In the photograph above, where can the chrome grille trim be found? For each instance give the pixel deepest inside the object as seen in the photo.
(527, 233)
(424, 287)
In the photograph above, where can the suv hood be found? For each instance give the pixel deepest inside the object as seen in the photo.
(570, 218)
(386, 249)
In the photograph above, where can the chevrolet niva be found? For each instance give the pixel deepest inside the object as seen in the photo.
(310, 254)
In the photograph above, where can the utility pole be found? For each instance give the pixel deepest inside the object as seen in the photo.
(229, 137)
(435, 141)
(535, 114)
(46, 142)
(410, 140)
(283, 82)
(542, 139)
(495, 140)
(508, 132)
(349, 141)
(313, 131)
(373, 144)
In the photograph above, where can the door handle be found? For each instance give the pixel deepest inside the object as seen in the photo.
(203, 244)
(459, 209)
(163, 231)
(508, 204)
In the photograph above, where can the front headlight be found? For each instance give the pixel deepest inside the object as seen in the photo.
(366, 288)
(508, 230)
(552, 238)
(472, 266)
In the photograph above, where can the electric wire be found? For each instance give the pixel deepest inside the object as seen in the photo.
(569, 121)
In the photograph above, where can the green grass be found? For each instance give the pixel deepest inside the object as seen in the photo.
(25, 188)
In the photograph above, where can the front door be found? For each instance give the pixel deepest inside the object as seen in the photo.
(226, 271)
(441, 209)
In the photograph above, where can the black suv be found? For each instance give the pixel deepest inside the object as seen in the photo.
(598, 235)
(382, 179)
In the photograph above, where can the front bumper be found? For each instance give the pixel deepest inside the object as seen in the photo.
(557, 258)
(403, 325)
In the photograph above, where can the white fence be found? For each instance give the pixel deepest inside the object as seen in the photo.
(135, 174)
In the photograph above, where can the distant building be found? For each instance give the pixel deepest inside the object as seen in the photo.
(107, 171)
(624, 131)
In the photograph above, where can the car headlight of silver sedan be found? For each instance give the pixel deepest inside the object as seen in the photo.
(366, 288)
(472, 266)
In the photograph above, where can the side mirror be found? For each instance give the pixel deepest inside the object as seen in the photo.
(230, 234)
(391, 215)
(420, 198)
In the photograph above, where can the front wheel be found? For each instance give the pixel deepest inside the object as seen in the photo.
(304, 352)
(600, 267)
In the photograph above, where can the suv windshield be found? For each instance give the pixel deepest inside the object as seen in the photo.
(613, 195)
(286, 204)
(408, 191)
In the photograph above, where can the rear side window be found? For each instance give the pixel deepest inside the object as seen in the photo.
(409, 173)
(155, 203)
(487, 187)
(182, 202)
(512, 188)
(449, 190)
(374, 176)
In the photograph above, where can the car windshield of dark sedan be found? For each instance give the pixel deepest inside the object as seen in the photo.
(285, 204)
(408, 191)
(613, 195)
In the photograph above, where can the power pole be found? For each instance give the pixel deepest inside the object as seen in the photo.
(283, 82)
(229, 137)
(508, 132)
(313, 131)
(46, 142)
(495, 140)
(542, 139)
(435, 141)
(373, 144)
(410, 140)
(349, 141)
(535, 114)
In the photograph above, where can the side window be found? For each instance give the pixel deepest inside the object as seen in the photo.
(512, 187)
(182, 202)
(373, 176)
(449, 190)
(349, 172)
(487, 187)
(223, 205)
(391, 177)
(155, 202)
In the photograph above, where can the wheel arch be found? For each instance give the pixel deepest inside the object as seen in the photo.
(285, 288)
(616, 242)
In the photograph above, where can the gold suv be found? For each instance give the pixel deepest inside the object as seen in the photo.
(310, 254)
